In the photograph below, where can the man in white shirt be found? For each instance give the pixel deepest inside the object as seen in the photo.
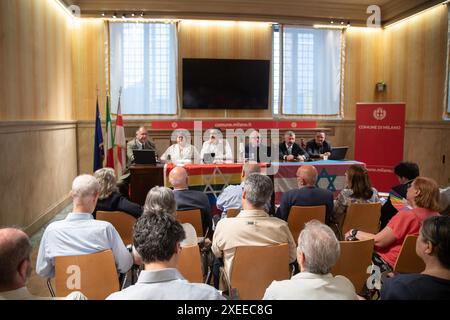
(15, 267)
(217, 146)
(157, 238)
(79, 233)
(182, 151)
(318, 251)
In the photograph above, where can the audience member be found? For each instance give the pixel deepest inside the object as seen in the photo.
(358, 190)
(15, 267)
(140, 142)
(255, 151)
(444, 201)
(161, 200)
(406, 172)
(190, 199)
(423, 196)
(308, 194)
(290, 150)
(80, 233)
(318, 147)
(317, 252)
(252, 227)
(231, 196)
(433, 247)
(157, 239)
(182, 151)
(217, 147)
(110, 199)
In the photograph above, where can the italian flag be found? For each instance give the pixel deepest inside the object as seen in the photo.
(120, 141)
(109, 138)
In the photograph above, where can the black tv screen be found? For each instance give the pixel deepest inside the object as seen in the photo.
(226, 84)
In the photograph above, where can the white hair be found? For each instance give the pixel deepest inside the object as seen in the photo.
(85, 185)
(320, 246)
(258, 189)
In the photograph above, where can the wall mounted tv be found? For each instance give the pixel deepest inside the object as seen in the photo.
(226, 84)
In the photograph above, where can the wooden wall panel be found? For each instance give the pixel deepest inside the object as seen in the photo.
(35, 67)
(223, 40)
(362, 69)
(89, 55)
(415, 64)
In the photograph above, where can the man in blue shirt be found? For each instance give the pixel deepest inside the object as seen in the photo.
(80, 233)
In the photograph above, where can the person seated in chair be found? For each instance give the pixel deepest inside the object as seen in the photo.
(110, 199)
(307, 194)
(255, 151)
(252, 227)
(190, 199)
(182, 151)
(406, 172)
(433, 247)
(157, 239)
(318, 148)
(79, 233)
(217, 146)
(290, 150)
(15, 267)
(317, 252)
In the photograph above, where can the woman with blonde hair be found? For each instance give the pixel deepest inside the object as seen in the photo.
(110, 199)
(358, 190)
(423, 197)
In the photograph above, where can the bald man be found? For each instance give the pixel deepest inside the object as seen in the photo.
(307, 194)
(15, 267)
(190, 199)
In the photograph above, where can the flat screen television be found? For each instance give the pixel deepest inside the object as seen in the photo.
(226, 84)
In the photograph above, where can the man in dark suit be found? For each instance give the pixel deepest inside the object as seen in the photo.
(290, 150)
(317, 148)
(190, 199)
(307, 194)
(140, 142)
(255, 151)
(406, 172)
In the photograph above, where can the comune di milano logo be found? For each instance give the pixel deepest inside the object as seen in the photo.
(379, 113)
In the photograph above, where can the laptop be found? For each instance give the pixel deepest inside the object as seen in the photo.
(144, 156)
(338, 153)
(208, 158)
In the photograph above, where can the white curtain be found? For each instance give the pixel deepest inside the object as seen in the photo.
(143, 64)
(311, 71)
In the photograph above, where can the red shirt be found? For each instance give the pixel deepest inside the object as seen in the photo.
(404, 223)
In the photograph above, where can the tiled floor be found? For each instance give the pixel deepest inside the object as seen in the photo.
(36, 284)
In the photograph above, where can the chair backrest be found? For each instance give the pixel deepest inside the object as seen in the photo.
(355, 257)
(233, 212)
(189, 264)
(95, 275)
(255, 267)
(362, 216)
(408, 261)
(193, 217)
(122, 222)
(298, 216)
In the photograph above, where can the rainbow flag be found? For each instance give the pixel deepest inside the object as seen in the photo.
(398, 202)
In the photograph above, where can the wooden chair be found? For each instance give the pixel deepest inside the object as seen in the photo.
(233, 212)
(95, 275)
(408, 261)
(298, 216)
(255, 267)
(355, 257)
(362, 216)
(122, 222)
(193, 217)
(189, 264)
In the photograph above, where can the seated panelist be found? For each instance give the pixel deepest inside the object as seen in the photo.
(290, 150)
(217, 147)
(182, 151)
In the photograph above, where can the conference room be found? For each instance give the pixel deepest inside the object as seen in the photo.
(191, 142)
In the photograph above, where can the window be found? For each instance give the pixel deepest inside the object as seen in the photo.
(143, 65)
(311, 79)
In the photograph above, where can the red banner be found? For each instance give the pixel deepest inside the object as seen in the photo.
(379, 136)
(244, 125)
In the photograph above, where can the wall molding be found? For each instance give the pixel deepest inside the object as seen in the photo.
(7, 127)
